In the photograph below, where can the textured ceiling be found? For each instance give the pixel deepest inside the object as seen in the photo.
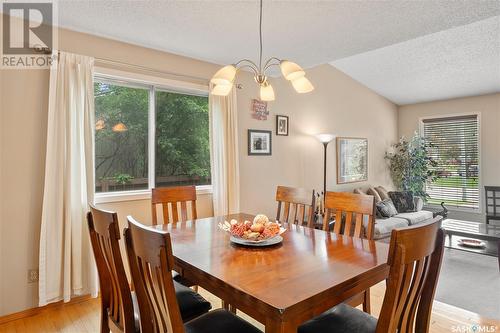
(308, 32)
(463, 61)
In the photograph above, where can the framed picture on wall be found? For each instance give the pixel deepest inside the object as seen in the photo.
(259, 142)
(352, 160)
(281, 125)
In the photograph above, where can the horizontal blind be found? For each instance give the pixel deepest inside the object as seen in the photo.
(453, 143)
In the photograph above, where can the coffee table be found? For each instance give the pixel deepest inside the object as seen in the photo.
(488, 233)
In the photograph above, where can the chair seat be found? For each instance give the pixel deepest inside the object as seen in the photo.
(220, 321)
(340, 319)
(191, 304)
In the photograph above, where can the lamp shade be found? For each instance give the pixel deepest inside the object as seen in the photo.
(302, 85)
(266, 92)
(221, 89)
(120, 127)
(225, 75)
(324, 137)
(291, 70)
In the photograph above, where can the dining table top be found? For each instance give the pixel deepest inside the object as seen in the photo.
(306, 267)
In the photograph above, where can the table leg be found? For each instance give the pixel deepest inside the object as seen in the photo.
(498, 254)
(280, 327)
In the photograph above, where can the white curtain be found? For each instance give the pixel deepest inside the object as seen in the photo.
(224, 153)
(66, 263)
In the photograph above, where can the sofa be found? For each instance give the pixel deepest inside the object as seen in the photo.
(385, 225)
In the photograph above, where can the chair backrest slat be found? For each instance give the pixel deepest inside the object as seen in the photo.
(302, 212)
(151, 262)
(295, 205)
(351, 211)
(175, 214)
(170, 198)
(415, 256)
(183, 211)
(115, 291)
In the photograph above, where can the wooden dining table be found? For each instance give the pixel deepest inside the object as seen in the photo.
(280, 286)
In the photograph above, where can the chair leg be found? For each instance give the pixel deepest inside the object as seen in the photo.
(228, 307)
(104, 320)
(366, 301)
(498, 254)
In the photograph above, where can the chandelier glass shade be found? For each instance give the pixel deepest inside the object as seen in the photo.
(223, 79)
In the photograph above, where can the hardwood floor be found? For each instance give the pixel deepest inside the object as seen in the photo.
(83, 317)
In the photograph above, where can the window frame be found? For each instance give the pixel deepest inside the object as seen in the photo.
(479, 209)
(153, 84)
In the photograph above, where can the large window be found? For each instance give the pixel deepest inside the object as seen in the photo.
(453, 142)
(147, 136)
(182, 146)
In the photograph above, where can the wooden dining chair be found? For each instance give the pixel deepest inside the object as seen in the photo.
(295, 205)
(352, 212)
(151, 262)
(174, 202)
(119, 311)
(415, 256)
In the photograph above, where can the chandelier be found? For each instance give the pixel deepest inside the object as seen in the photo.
(223, 80)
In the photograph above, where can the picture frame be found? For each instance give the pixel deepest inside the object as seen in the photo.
(352, 160)
(282, 125)
(259, 142)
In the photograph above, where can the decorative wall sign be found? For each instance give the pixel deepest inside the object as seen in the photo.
(281, 125)
(259, 109)
(352, 160)
(259, 142)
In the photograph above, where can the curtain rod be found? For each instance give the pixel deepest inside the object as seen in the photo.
(151, 70)
(144, 68)
(205, 81)
(46, 50)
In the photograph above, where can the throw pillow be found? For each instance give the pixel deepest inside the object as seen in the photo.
(358, 191)
(385, 208)
(419, 203)
(382, 192)
(372, 191)
(403, 201)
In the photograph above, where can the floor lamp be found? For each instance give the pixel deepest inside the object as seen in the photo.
(325, 139)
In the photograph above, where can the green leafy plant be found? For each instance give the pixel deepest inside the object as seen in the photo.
(410, 165)
(123, 178)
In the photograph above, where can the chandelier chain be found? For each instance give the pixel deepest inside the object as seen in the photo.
(260, 36)
(223, 79)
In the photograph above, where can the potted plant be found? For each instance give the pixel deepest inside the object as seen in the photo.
(410, 165)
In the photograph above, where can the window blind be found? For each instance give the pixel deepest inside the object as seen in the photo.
(453, 143)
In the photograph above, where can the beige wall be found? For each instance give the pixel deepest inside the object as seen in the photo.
(488, 107)
(338, 105)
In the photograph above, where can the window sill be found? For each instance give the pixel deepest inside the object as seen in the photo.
(139, 195)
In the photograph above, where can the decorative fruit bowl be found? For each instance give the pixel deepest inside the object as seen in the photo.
(471, 243)
(260, 232)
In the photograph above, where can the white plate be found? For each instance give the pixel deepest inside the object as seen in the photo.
(266, 242)
(471, 243)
